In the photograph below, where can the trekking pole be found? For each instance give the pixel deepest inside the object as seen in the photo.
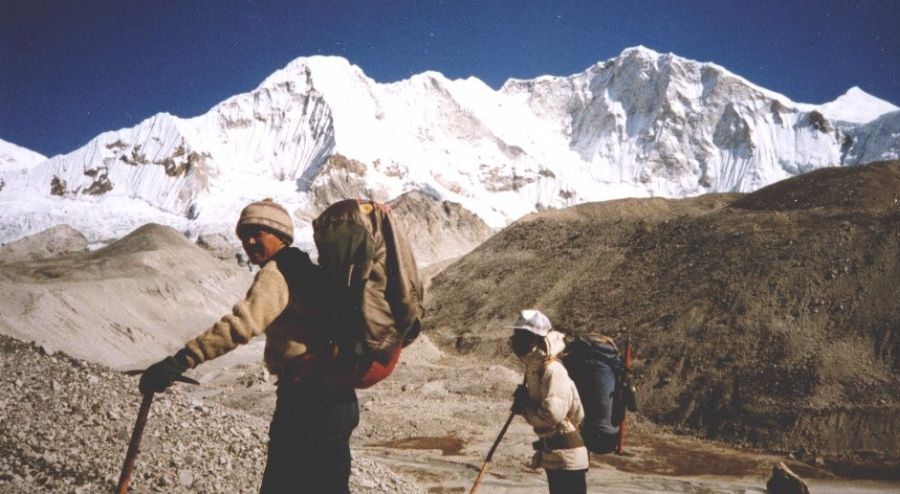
(487, 460)
(490, 454)
(131, 455)
(621, 447)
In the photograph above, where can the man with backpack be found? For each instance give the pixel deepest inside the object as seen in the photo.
(549, 402)
(316, 409)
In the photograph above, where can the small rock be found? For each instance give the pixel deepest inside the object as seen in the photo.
(784, 481)
(185, 478)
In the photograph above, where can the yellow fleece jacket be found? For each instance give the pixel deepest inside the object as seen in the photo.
(268, 308)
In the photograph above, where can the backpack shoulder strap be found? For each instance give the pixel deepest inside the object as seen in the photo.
(299, 272)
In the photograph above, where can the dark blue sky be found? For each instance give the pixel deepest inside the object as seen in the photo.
(72, 69)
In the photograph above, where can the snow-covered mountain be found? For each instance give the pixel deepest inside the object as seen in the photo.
(13, 157)
(641, 124)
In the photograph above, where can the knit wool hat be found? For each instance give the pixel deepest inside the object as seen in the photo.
(269, 214)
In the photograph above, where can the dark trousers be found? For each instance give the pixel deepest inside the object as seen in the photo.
(567, 481)
(309, 441)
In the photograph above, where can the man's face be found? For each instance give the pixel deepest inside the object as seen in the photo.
(523, 342)
(259, 243)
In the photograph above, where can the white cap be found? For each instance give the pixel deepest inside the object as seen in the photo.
(533, 321)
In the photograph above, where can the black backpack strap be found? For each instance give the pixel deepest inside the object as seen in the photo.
(301, 275)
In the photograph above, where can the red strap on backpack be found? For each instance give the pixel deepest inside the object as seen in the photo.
(377, 371)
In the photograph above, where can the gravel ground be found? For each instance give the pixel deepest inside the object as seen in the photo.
(65, 425)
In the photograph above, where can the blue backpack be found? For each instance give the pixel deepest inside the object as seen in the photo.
(599, 374)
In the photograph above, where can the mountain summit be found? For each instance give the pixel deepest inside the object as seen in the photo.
(857, 106)
(640, 124)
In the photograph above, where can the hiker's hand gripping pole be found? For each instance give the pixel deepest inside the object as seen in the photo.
(128, 466)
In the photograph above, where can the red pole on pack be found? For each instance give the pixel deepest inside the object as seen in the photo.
(621, 447)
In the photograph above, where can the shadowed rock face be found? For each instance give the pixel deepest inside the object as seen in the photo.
(769, 318)
(438, 230)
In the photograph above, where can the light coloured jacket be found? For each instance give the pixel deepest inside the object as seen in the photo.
(554, 406)
(273, 308)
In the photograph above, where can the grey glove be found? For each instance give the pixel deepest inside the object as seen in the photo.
(162, 374)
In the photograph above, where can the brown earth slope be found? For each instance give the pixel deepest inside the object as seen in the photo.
(768, 319)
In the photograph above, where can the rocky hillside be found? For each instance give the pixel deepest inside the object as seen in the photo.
(770, 318)
(120, 305)
(66, 425)
(438, 230)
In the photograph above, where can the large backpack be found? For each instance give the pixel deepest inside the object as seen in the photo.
(373, 293)
(600, 376)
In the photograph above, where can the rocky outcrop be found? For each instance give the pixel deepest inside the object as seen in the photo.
(784, 481)
(438, 230)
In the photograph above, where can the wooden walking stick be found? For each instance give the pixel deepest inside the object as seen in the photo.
(487, 461)
(620, 449)
(128, 466)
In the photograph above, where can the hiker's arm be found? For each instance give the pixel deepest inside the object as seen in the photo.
(265, 301)
(552, 409)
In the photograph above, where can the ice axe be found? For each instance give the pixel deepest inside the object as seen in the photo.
(135, 443)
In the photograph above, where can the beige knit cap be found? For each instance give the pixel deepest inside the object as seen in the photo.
(270, 214)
